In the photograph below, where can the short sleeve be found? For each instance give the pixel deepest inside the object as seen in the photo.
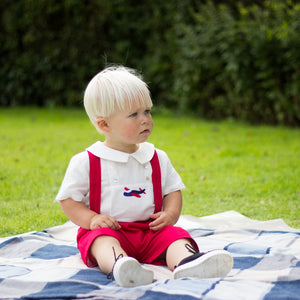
(171, 180)
(75, 184)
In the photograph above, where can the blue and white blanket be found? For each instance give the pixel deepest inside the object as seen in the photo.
(47, 265)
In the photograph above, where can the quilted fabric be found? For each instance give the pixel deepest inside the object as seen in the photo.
(47, 264)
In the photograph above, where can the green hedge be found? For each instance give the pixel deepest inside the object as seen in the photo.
(244, 64)
(238, 59)
(51, 49)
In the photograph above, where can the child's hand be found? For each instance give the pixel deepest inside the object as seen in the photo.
(161, 220)
(101, 221)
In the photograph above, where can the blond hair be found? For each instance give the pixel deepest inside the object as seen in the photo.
(115, 89)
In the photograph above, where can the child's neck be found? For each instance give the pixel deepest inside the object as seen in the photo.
(131, 148)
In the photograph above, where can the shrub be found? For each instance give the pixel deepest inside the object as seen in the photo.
(238, 59)
(243, 66)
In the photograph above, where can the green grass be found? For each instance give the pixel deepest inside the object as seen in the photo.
(225, 165)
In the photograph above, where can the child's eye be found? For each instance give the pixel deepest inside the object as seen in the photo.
(147, 111)
(133, 115)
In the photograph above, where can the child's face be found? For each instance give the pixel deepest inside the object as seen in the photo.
(129, 128)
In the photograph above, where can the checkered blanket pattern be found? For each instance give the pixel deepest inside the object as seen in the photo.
(47, 265)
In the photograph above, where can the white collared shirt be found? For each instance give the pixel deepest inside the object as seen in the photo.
(126, 188)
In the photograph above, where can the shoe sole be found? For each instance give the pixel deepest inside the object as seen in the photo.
(217, 263)
(128, 272)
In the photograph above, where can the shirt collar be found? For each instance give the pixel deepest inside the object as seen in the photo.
(143, 155)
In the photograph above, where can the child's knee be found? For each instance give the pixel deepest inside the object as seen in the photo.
(104, 242)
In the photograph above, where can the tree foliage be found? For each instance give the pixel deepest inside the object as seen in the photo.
(216, 59)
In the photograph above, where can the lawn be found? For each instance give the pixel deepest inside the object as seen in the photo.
(225, 165)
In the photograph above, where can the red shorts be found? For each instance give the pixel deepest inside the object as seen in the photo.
(136, 239)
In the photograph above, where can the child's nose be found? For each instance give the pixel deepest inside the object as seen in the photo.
(144, 119)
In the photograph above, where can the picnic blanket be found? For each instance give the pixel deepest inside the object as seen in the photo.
(47, 265)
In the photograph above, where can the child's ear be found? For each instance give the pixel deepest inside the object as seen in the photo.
(102, 124)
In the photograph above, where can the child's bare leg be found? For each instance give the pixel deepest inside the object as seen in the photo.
(105, 249)
(176, 252)
(113, 260)
(185, 261)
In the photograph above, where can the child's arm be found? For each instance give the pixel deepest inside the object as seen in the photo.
(82, 216)
(172, 204)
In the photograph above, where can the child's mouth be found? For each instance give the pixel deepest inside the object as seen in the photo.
(146, 131)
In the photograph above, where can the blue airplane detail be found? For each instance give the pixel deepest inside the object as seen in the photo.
(134, 193)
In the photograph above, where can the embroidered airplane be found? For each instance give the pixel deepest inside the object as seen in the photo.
(133, 193)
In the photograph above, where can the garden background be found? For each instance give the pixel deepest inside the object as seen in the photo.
(234, 64)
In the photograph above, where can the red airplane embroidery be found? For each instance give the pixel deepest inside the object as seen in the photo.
(134, 193)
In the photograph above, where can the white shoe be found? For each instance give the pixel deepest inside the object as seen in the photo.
(128, 272)
(216, 263)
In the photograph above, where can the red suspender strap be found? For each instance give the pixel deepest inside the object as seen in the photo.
(95, 182)
(156, 181)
